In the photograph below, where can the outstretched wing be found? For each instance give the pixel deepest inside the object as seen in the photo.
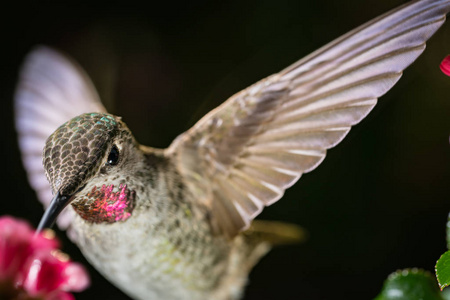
(51, 90)
(244, 154)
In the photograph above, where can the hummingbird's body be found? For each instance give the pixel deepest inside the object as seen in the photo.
(177, 264)
(137, 199)
(174, 223)
(183, 259)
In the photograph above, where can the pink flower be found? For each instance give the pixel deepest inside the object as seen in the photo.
(31, 266)
(445, 65)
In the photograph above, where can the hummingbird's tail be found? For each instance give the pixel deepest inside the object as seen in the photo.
(249, 247)
(275, 233)
(261, 236)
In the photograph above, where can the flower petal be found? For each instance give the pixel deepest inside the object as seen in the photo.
(445, 65)
(14, 245)
(32, 267)
(58, 295)
(43, 274)
(45, 240)
(77, 279)
(48, 272)
(17, 243)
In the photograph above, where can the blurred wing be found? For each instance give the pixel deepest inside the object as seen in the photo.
(243, 155)
(51, 90)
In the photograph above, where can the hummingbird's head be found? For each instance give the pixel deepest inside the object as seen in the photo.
(88, 147)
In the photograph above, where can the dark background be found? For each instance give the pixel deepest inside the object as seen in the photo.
(378, 202)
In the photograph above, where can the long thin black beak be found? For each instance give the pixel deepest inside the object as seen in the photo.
(59, 202)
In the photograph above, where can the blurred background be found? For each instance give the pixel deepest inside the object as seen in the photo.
(379, 201)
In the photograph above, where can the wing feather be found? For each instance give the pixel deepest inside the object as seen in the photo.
(243, 155)
(51, 90)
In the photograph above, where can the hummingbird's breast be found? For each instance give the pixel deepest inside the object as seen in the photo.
(150, 265)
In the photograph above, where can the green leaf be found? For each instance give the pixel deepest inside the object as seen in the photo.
(448, 232)
(443, 270)
(410, 284)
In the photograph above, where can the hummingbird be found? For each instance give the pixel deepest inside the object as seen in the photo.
(178, 223)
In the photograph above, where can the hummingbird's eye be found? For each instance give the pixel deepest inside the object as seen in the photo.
(113, 157)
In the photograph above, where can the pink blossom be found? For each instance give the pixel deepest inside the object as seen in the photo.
(445, 65)
(31, 266)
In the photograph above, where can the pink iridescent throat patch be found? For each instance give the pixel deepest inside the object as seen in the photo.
(105, 206)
